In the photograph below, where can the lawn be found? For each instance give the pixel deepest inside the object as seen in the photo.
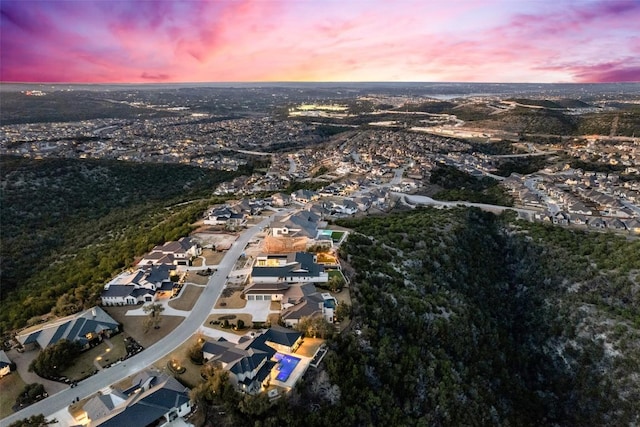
(212, 257)
(187, 299)
(231, 298)
(10, 387)
(233, 319)
(133, 326)
(84, 366)
(337, 235)
(196, 279)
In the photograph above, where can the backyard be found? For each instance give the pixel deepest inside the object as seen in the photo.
(337, 235)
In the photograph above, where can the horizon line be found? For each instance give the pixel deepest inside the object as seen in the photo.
(313, 82)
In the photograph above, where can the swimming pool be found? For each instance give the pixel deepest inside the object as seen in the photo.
(286, 365)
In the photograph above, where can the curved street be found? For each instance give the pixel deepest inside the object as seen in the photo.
(428, 201)
(151, 354)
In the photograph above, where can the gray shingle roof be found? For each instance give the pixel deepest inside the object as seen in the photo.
(147, 407)
(303, 266)
(72, 328)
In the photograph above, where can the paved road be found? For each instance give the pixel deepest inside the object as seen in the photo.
(397, 177)
(424, 200)
(150, 355)
(537, 153)
(292, 164)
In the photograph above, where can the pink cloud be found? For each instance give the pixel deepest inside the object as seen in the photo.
(488, 40)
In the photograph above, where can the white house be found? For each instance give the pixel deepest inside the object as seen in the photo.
(288, 268)
(250, 362)
(176, 253)
(304, 301)
(140, 286)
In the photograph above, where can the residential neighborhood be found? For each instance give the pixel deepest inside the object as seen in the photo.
(265, 357)
(251, 287)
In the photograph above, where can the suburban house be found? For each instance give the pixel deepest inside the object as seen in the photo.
(346, 207)
(633, 225)
(305, 301)
(225, 216)
(250, 362)
(288, 268)
(297, 300)
(233, 215)
(295, 231)
(172, 253)
(139, 286)
(5, 364)
(87, 328)
(155, 399)
(596, 222)
(305, 196)
(280, 200)
(265, 291)
(303, 223)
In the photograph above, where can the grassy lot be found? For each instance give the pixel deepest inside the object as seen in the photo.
(10, 387)
(212, 257)
(197, 262)
(246, 318)
(133, 326)
(84, 365)
(231, 299)
(196, 279)
(187, 298)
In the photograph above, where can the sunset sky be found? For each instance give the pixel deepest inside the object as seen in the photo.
(320, 40)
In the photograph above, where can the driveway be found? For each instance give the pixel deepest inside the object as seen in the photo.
(23, 360)
(259, 310)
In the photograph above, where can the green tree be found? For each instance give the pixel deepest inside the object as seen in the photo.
(54, 359)
(195, 352)
(315, 327)
(33, 421)
(31, 393)
(343, 310)
(335, 283)
(154, 316)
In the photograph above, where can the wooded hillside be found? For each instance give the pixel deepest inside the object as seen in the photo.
(68, 225)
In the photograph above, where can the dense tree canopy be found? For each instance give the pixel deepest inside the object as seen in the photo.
(68, 225)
